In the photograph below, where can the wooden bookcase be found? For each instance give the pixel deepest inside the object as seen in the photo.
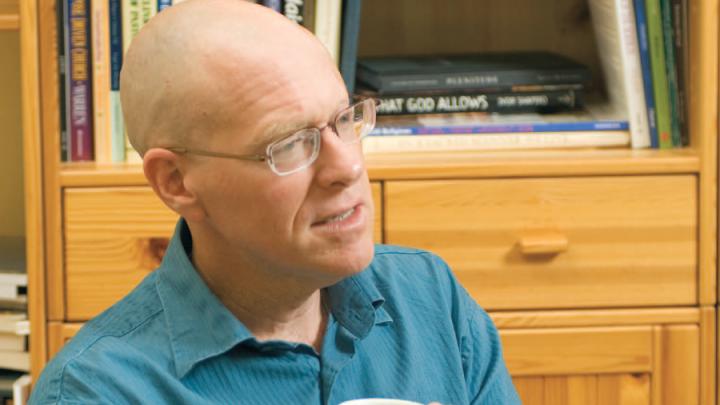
(619, 306)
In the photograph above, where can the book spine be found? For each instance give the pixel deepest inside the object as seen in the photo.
(679, 22)
(79, 85)
(101, 80)
(671, 70)
(644, 47)
(632, 75)
(348, 48)
(479, 102)
(117, 129)
(505, 141)
(309, 15)
(452, 81)
(273, 4)
(293, 9)
(481, 128)
(328, 14)
(62, 34)
(659, 74)
(163, 4)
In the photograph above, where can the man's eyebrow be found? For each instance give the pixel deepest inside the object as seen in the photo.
(277, 131)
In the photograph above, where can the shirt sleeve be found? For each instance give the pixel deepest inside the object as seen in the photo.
(486, 376)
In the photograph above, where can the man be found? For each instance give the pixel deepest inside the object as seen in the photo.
(271, 290)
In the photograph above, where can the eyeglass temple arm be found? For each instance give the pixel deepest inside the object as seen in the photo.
(182, 151)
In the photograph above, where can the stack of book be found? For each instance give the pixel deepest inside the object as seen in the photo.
(536, 99)
(14, 325)
(95, 34)
(514, 99)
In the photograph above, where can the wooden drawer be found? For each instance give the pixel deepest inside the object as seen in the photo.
(556, 242)
(642, 364)
(113, 238)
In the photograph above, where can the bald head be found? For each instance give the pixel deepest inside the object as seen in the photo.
(192, 65)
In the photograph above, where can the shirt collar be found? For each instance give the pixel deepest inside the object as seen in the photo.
(357, 304)
(200, 326)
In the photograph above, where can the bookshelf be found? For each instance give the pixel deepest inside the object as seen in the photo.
(661, 346)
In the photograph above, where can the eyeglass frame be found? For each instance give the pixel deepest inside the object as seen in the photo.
(267, 157)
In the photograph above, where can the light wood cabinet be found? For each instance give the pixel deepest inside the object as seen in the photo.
(598, 266)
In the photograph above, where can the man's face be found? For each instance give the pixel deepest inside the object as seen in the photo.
(314, 224)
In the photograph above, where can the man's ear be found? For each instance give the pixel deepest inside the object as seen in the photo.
(166, 175)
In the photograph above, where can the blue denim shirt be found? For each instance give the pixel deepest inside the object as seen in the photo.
(403, 328)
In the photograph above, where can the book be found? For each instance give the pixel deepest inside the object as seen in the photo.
(13, 360)
(62, 108)
(13, 278)
(440, 103)
(117, 125)
(102, 120)
(349, 42)
(680, 36)
(644, 48)
(659, 74)
(78, 85)
(671, 70)
(616, 38)
(163, 4)
(590, 118)
(327, 26)
(469, 71)
(504, 141)
(273, 4)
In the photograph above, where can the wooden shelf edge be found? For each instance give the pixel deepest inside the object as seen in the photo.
(594, 317)
(454, 165)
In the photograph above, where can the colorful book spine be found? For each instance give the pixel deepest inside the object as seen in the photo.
(489, 128)
(79, 81)
(273, 4)
(644, 47)
(669, 41)
(679, 22)
(550, 101)
(163, 4)
(506, 141)
(62, 79)
(101, 80)
(659, 73)
(117, 125)
(294, 10)
(349, 42)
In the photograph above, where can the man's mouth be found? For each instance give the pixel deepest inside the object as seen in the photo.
(337, 218)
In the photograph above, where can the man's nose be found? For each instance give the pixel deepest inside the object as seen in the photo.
(339, 164)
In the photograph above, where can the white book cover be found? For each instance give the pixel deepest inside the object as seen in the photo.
(616, 37)
(503, 141)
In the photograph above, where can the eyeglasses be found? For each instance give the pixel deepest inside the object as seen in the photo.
(299, 150)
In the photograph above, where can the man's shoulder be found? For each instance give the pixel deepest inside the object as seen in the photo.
(402, 269)
(130, 329)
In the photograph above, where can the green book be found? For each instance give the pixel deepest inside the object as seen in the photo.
(671, 69)
(659, 73)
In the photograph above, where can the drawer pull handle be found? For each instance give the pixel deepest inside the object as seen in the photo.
(543, 243)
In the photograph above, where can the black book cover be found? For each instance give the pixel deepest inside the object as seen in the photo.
(469, 71)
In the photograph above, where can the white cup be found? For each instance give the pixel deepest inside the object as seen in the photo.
(379, 401)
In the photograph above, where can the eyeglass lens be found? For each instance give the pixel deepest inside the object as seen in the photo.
(300, 150)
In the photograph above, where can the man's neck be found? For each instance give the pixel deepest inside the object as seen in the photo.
(271, 309)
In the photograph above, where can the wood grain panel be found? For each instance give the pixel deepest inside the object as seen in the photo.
(680, 359)
(113, 238)
(631, 241)
(536, 352)
(59, 334)
(376, 188)
(624, 389)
